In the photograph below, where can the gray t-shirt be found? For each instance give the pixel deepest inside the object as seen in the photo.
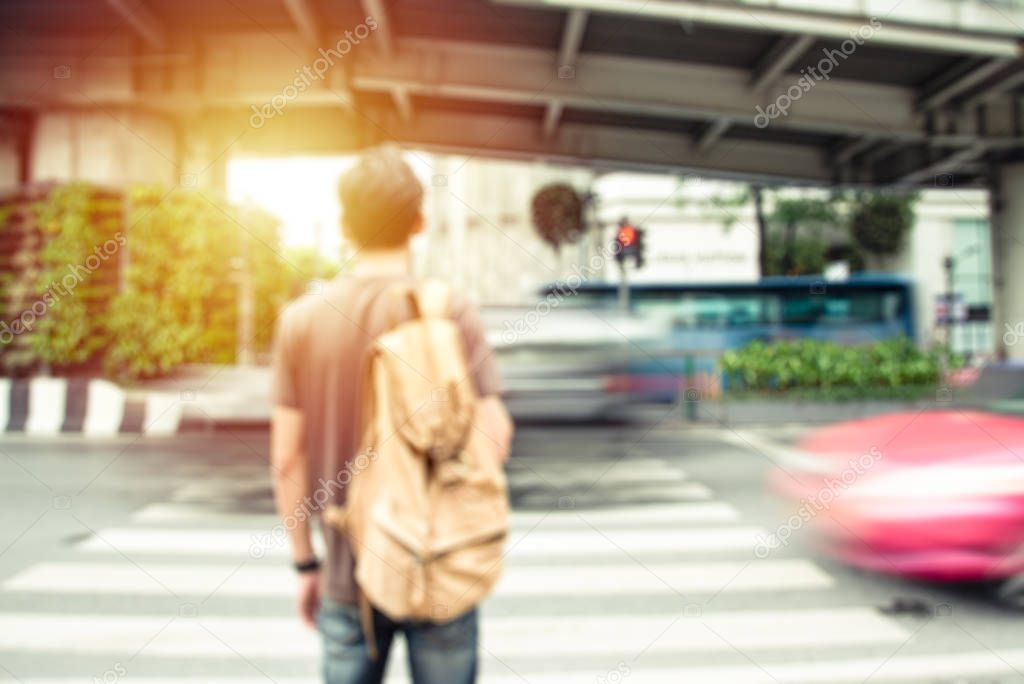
(319, 347)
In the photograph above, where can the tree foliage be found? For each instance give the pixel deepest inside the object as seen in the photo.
(795, 243)
(798, 240)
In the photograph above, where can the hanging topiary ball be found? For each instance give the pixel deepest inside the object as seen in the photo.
(557, 211)
(879, 223)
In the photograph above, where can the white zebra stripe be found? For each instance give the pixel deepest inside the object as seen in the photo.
(689, 513)
(594, 541)
(530, 543)
(628, 635)
(937, 667)
(97, 579)
(611, 637)
(600, 474)
(966, 666)
(242, 543)
(658, 579)
(658, 514)
(255, 579)
(685, 491)
(175, 514)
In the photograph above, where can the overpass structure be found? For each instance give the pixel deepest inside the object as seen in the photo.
(869, 93)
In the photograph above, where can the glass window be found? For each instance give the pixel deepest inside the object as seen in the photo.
(708, 310)
(739, 309)
(972, 279)
(585, 300)
(972, 260)
(841, 308)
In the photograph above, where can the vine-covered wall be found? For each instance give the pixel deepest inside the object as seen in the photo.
(134, 283)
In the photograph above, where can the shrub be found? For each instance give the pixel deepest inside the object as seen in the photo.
(815, 368)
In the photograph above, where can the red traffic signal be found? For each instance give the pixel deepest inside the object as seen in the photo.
(627, 235)
(630, 242)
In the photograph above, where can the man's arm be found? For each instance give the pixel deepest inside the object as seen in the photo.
(491, 417)
(493, 420)
(290, 472)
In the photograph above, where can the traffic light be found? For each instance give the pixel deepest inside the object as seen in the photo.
(630, 241)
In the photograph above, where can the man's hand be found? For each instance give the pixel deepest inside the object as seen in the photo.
(309, 597)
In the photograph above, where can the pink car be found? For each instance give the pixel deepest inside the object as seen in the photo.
(935, 495)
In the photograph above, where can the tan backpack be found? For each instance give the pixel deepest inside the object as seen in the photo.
(427, 506)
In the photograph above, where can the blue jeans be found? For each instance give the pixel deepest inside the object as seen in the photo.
(438, 653)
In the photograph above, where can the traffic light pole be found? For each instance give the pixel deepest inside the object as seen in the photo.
(623, 286)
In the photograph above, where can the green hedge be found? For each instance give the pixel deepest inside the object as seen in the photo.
(78, 272)
(810, 368)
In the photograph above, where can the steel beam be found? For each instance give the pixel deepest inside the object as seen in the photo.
(750, 17)
(941, 91)
(634, 86)
(302, 14)
(712, 133)
(948, 165)
(782, 56)
(572, 37)
(385, 36)
(991, 91)
(142, 21)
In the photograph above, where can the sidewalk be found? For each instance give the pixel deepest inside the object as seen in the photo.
(217, 395)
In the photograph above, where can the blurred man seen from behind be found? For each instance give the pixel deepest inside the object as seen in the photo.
(320, 346)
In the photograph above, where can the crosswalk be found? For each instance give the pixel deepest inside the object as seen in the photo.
(604, 582)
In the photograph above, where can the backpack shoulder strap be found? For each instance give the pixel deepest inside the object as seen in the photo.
(432, 298)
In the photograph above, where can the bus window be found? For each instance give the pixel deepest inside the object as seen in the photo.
(832, 308)
(802, 309)
(666, 307)
(726, 310)
(568, 299)
(704, 308)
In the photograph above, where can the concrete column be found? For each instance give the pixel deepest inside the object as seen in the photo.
(16, 133)
(1008, 261)
(204, 147)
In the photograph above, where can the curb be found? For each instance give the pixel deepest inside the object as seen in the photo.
(736, 413)
(52, 406)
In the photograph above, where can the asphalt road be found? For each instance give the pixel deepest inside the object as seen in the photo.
(632, 560)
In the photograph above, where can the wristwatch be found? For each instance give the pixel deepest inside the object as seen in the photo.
(311, 565)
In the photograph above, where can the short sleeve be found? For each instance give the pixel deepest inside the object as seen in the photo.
(479, 355)
(284, 389)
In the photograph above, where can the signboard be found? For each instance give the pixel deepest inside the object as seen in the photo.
(697, 251)
(950, 309)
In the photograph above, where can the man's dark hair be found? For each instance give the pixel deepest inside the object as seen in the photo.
(381, 199)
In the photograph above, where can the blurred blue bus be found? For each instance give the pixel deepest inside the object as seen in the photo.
(706, 319)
